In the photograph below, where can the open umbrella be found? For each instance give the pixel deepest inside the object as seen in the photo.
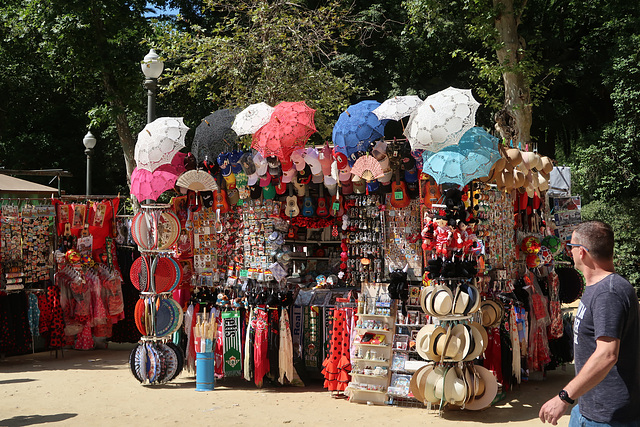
(357, 128)
(289, 128)
(397, 107)
(252, 118)
(472, 158)
(442, 119)
(214, 135)
(146, 185)
(159, 141)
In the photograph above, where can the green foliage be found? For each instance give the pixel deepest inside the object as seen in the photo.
(623, 218)
(262, 51)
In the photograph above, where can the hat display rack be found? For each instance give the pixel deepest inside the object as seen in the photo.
(459, 245)
(156, 273)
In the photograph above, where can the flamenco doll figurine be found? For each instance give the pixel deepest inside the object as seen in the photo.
(442, 235)
(428, 234)
(460, 238)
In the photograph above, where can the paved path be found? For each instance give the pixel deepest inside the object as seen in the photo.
(96, 388)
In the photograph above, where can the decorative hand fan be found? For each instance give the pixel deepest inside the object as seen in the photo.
(141, 362)
(140, 273)
(132, 364)
(168, 230)
(197, 181)
(178, 276)
(164, 274)
(180, 356)
(166, 318)
(367, 167)
(179, 315)
(139, 317)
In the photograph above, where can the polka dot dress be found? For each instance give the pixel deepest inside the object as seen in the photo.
(337, 365)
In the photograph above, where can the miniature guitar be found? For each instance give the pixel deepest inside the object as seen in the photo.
(322, 211)
(399, 198)
(291, 208)
(220, 198)
(307, 204)
(337, 209)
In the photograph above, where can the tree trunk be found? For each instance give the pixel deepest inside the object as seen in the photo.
(122, 125)
(513, 122)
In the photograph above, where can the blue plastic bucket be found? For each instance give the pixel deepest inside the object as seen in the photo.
(205, 378)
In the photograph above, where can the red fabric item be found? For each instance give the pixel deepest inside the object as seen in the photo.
(493, 353)
(261, 347)
(219, 350)
(337, 364)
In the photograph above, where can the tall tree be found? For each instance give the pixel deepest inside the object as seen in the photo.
(87, 52)
(263, 51)
(491, 41)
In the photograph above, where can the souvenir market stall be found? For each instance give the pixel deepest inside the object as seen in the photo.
(415, 271)
(59, 286)
(29, 312)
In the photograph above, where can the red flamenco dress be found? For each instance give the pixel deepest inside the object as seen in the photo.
(337, 365)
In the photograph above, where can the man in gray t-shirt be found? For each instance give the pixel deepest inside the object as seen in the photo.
(606, 339)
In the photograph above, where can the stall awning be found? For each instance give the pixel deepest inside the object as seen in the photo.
(10, 184)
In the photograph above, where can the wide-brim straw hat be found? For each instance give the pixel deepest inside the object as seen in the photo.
(546, 165)
(514, 156)
(491, 313)
(424, 293)
(422, 338)
(487, 390)
(529, 160)
(434, 384)
(463, 334)
(440, 301)
(478, 340)
(418, 382)
(455, 386)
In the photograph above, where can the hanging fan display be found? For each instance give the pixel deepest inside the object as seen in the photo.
(197, 181)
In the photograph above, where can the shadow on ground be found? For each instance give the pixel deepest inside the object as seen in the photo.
(521, 404)
(29, 420)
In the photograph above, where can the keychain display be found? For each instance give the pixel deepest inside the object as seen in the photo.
(365, 231)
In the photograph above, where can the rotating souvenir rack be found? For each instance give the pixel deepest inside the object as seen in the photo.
(452, 343)
(156, 360)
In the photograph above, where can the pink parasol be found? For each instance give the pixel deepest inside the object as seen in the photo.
(289, 128)
(147, 185)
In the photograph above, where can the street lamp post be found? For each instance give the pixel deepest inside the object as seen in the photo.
(89, 142)
(152, 67)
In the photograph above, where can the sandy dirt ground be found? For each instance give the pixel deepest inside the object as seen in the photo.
(96, 388)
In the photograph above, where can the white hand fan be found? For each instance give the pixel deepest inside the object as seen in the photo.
(197, 181)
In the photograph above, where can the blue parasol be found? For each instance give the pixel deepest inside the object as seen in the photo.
(357, 128)
(471, 158)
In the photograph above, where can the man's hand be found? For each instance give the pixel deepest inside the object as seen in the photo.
(553, 410)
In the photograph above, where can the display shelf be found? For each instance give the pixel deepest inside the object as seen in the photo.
(369, 376)
(373, 315)
(410, 325)
(374, 330)
(373, 345)
(362, 390)
(372, 361)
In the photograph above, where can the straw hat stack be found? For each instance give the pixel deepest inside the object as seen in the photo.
(525, 171)
(471, 387)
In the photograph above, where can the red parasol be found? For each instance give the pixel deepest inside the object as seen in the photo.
(289, 128)
(150, 185)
